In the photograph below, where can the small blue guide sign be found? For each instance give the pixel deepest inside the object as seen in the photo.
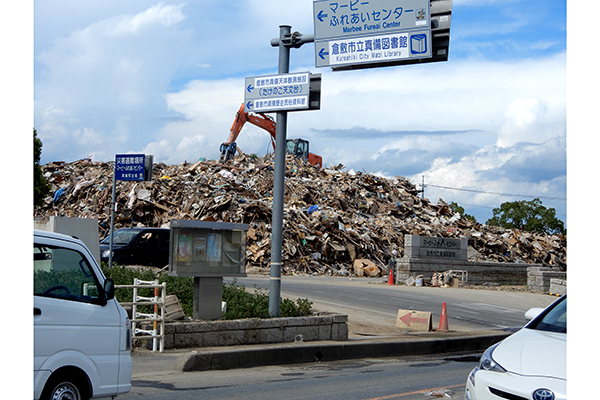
(130, 167)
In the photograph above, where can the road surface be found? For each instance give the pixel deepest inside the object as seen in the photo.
(372, 305)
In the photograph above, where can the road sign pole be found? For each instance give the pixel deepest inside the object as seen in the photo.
(128, 167)
(113, 203)
(278, 184)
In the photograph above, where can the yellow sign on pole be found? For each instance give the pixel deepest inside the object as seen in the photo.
(419, 321)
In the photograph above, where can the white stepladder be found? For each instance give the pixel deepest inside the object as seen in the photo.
(157, 335)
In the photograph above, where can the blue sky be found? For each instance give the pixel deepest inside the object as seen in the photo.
(166, 79)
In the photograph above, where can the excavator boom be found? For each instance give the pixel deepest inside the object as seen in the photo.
(297, 147)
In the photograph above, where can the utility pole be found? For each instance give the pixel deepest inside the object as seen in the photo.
(285, 41)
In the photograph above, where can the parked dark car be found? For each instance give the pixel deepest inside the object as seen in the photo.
(138, 246)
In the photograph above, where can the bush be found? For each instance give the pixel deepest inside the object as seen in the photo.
(240, 303)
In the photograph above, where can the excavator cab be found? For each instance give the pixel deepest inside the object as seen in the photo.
(298, 148)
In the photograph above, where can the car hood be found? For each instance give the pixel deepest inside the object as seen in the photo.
(534, 353)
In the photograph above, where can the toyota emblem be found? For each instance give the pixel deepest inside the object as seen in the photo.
(543, 394)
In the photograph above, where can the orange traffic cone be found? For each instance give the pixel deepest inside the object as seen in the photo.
(443, 319)
(391, 278)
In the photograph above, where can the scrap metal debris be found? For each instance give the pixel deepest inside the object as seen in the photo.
(336, 222)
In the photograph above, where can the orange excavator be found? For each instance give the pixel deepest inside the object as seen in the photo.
(297, 147)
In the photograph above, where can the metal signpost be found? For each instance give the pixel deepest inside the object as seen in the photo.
(128, 167)
(348, 34)
(285, 41)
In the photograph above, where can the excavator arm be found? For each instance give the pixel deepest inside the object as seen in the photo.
(261, 120)
(297, 147)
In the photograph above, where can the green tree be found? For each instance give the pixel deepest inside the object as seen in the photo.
(458, 209)
(529, 216)
(41, 188)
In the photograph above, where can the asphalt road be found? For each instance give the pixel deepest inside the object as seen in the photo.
(371, 302)
(406, 378)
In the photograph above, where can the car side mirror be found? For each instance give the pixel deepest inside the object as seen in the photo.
(532, 313)
(109, 289)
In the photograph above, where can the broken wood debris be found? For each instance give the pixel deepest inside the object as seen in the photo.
(333, 218)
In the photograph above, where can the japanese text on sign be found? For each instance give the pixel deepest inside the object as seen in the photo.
(440, 254)
(388, 18)
(281, 86)
(281, 80)
(130, 167)
(358, 17)
(378, 48)
(287, 102)
(277, 92)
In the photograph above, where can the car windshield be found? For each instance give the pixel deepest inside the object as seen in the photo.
(554, 320)
(120, 237)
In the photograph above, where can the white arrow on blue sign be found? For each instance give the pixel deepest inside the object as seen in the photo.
(283, 92)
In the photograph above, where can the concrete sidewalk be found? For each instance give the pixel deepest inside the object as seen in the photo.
(248, 356)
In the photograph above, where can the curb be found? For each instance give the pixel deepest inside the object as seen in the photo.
(291, 353)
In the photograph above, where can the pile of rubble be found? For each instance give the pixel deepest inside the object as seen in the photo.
(332, 217)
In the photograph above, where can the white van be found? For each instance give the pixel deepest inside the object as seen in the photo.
(82, 336)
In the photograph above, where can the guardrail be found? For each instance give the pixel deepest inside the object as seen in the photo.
(158, 301)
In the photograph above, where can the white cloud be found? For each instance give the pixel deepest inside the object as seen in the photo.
(523, 122)
(158, 14)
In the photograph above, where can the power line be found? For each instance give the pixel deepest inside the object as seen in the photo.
(495, 193)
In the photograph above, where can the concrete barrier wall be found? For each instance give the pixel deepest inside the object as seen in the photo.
(535, 276)
(539, 278)
(253, 331)
(558, 287)
(478, 272)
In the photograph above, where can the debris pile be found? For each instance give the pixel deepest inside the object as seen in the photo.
(336, 222)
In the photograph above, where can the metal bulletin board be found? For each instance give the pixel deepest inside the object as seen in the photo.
(207, 249)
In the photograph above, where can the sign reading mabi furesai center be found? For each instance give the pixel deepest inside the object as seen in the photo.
(374, 31)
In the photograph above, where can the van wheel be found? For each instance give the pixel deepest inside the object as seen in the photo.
(69, 386)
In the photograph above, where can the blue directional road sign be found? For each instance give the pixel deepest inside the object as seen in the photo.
(351, 32)
(283, 92)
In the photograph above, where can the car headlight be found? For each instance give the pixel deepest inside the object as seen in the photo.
(106, 254)
(487, 362)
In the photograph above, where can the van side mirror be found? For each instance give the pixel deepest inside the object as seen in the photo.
(109, 289)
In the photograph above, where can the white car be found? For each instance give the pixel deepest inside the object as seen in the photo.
(82, 336)
(531, 364)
